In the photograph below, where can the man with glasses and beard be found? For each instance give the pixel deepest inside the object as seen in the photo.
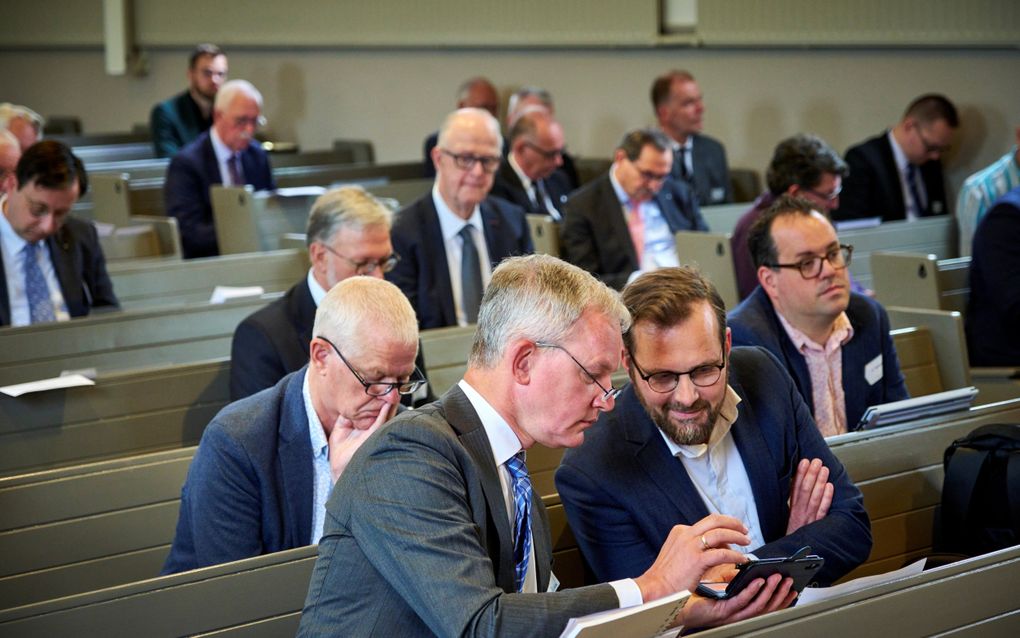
(833, 342)
(702, 429)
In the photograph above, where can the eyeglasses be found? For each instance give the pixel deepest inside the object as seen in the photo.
(209, 73)
(549, 155)
(381, 388)
(930, 148)
(811, 267)
(244, 122)
(649, 176)
(467, 161)
(367, 267)
(826, 197)
(702, 376)
(607, 394)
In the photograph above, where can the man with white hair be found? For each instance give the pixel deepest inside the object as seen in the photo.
(451, 239)
(10, 153)
(434, 529)
(266, 464)
(225, 154)
(24, 123)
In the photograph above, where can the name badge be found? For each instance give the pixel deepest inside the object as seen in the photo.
(554, 583)
(873, 371)
(717, 194)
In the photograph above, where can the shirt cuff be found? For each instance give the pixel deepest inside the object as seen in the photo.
(628, 592)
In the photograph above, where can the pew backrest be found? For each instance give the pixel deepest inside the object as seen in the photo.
(545, 234)
(932, 235)
(950, 343)
(918, 362)
(723, 218)
(921, 281)
(711, 254)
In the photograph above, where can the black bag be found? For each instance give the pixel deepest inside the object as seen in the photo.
(980, 509)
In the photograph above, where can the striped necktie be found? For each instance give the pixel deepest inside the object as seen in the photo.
(520, 484)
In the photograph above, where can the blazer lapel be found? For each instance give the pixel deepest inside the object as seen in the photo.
(435, 249)
(760, 468)
(71, 286)
(614, 225)
(5, 303)
(295, 461)
(495, 237)
(890, 174)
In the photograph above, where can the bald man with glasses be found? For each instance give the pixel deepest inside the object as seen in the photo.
(451, 239)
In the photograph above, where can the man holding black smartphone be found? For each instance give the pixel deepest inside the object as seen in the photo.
(704, 428)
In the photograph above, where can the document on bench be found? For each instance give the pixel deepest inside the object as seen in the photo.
(815, 594)
(642, 621)
(222, 294)
(56, 383)
(296, 191)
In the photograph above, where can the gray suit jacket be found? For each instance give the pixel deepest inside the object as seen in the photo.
(417, 540)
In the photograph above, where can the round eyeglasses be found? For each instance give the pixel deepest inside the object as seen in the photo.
(666, 381)
(811, 267)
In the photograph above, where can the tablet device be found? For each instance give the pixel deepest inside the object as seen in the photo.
(800, 567)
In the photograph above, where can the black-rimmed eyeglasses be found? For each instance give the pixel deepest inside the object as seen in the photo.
(381, 388)
(547, 154)
(467, 161)
(610, 393)
(811, 267)
(702, 376)
(367, 267)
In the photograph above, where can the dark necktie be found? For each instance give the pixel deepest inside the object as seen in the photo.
(470, 275)
(234, 166)
(542, 195)
(914, 189)
(40, 305)
(520, 484)
(680, 161)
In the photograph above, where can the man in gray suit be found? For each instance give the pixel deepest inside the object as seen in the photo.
(434, 529)
(698, 159)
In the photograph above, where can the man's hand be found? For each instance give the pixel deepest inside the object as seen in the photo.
(345, 439)
(810, 494)
(761, 596)
(689, 551)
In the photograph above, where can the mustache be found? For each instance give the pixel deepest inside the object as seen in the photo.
(698, 405)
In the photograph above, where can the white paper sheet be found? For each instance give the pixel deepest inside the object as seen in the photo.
(226, 293)
(56, 383)
(816, 594)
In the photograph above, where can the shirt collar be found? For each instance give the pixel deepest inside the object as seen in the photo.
(842, 332)
(525, 180)
(449, 223)
(723, 423)
(898, 154)
(318, 292)
(223, 153)
(620, 193)
(502, 440)
(317, 435)
(13, 243)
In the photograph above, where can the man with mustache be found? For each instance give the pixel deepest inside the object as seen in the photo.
(833, 342)
(702, 429)
(226, 154)
(623, 223)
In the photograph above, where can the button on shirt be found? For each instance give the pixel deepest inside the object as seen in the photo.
(825, 366)
(717, 472)
(505, 444)
(910, 206)
(660, 245)
(12, 246)
(450, 225)
(322, 476)
(223, 154)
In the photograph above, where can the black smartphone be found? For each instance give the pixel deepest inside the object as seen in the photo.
(800, 567)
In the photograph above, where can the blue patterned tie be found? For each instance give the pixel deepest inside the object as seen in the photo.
(40, 305)
(520, 482)
(234, 166)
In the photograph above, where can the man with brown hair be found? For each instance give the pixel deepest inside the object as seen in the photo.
(177, 121)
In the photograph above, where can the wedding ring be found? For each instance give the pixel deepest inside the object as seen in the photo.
(704, 543)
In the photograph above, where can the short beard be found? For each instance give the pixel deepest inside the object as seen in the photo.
(688, 431)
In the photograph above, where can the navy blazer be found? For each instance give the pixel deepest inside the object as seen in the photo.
(423, 273)
(175, 122)
(595, 236)
(186, 191)
(623, 491)
(249, 488)
(993, 311)
(507, 185)
(711, 178)
(755, 323)
(418, 542)
(872, 189)
(80, 267)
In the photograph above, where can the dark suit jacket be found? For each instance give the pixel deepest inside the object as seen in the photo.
(423, 273)
(755, 323)
(175, 122)
(249, 488)
(186, 191)
(80, 267)
(711, 179)
(993, 311)
(623, 491)
(872, 189)
(595, 235)
(418, 542)
(507, 185)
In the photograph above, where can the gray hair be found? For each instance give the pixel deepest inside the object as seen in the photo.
(10, 112)
(363, 305)
(460, 115)
(7, 139)
(345, 207)
(538, 297)
(543, 96)
(232, 89)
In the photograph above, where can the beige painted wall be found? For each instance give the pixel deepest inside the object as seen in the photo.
(395, 97)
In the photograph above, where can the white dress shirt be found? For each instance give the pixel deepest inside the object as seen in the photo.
(505, 444)
(222, 155)
(450, 225)
(12, 245)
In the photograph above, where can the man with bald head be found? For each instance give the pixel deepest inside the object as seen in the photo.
(225, 154)
(474, 93)
(23, 123)
(530, 174)
(450, 240)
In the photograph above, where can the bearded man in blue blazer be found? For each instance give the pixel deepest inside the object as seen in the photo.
(703, 429)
